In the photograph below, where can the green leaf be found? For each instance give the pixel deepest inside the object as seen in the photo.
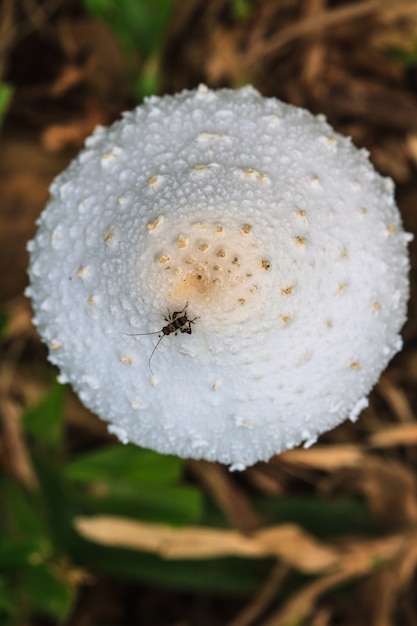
(172, 505)
(25, 550)
(56, 503)
(22, 553)
(407, 57)
(46, 593)
(321, 517)
(6, 93)
(45, 420)
(148, 81)
(140, 27)
(241, 9)
(7, 605)
(129, 463)
(22, 519)
(138, 24)
(133, 482)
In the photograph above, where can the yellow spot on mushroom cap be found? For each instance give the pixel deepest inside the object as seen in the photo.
(196, 284)
(328, 139)
(210, 137)
(110, 155)
(107, 155)
(251, 174)
(182, 242)
(154, 224)
(155, 182)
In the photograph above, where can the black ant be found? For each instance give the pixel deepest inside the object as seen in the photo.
(178, 322)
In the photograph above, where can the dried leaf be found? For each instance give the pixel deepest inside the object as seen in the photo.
(287, 542)
(57, 137)
(327, 458)
(403, 435)
(391, 490)
(397, 399)
(301, 604)
(359, 559)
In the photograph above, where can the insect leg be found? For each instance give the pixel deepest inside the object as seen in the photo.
(177, 314)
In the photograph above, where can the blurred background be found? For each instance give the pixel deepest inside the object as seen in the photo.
(96, 533)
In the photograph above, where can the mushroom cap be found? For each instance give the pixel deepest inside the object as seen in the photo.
(264, 238)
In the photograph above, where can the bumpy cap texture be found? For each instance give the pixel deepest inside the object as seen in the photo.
(263, 242)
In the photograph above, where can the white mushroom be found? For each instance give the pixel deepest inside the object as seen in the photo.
(254, 227)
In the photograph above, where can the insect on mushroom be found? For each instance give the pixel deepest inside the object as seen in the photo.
(178, 322)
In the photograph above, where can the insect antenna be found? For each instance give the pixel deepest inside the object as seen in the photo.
(156, 332)
(153, 352)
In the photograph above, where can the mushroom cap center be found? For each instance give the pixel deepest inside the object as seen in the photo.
(209, 264)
